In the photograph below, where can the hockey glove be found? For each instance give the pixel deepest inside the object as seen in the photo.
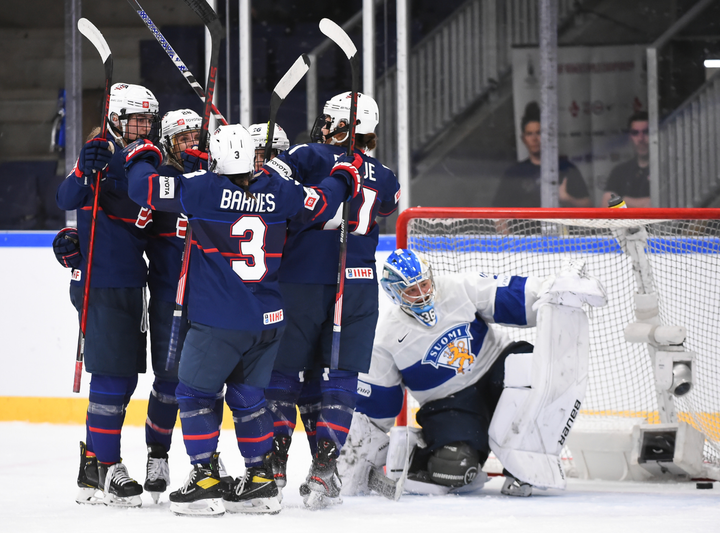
(95, 156)
(142, 150)
(349, 167)
(194, 160)
(66, 246)
(572, 287)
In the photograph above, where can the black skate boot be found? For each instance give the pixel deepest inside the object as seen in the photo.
(157, 477)
(281, 445)
(256, 492)
(514, 487)
(89, 487)
(119, 489)
(202, 493)
(323, 484)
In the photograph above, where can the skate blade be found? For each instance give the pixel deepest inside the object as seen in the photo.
(115, 501)
(155, 496)
(89, 496)
(255, 506)
(207, 507)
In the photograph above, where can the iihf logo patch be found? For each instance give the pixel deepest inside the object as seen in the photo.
(452, 350)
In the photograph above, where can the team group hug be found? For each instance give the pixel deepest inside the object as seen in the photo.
(256, 313)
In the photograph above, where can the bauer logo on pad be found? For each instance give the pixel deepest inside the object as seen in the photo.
(364, 389)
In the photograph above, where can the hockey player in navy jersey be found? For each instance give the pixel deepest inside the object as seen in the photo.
(235, 309)
(280, 142)
(179, 131)
(308, 277)
(115, 343)
(478, 391)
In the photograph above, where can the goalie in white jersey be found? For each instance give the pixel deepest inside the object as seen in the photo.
(478, 391)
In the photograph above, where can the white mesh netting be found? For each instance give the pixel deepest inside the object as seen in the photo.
(684, 257)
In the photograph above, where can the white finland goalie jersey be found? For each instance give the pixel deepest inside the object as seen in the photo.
(436, 362)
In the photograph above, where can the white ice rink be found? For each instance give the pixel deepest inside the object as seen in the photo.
(39, 463)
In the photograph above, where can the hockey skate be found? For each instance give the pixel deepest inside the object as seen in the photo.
(201, 495)
(281, 445)
(256, 492)
(89, 490)
(323, 485)
(119, 489)
(515, 487)
(158, 472)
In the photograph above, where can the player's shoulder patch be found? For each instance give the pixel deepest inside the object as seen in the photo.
(281, 167)
(312, 197)
(167, 187)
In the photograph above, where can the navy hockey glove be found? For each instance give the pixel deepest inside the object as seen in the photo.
(142, 150)
(66, 246)
(349, 167)
(194, 160)
(95, 156)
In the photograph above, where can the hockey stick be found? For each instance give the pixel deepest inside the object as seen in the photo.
(210, 19)
(175, 58)
(280, 92)
(339, 37)
(93, 35)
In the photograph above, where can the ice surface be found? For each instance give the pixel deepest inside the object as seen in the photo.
(39, 462)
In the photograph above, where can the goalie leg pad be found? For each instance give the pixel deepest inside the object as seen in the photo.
(366, 447)
(530, 424)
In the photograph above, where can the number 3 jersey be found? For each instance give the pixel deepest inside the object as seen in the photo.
(237, 240)
(311, 256)
(439, 361)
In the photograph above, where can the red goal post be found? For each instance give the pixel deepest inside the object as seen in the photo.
(678, 261)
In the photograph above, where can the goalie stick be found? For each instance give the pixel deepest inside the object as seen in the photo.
(211, 21)
(286, 84)
(336, 34)
(174, 57)
(93, 35)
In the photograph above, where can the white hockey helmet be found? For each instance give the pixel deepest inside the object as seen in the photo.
(338, 109)
(174, 122)
(232, 150)
(259, 133)
(127, 99)
(404, 279)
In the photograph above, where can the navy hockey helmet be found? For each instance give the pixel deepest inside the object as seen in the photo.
(407, 279)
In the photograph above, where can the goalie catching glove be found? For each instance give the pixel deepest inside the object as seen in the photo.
(349, 168)
(572, 287)
(142, 150)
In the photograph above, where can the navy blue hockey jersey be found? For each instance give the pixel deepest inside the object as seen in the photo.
(166, 240)
(311, 254)
(237, 240)
(118, 260)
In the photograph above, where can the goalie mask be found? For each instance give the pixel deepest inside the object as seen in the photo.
(337, 110)
(133, 112)
(407, 280)
(180, 130)
(280, 142)
(232, 150)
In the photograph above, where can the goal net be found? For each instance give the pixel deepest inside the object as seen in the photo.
(679, 260)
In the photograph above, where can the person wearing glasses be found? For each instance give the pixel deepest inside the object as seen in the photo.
(631, 179)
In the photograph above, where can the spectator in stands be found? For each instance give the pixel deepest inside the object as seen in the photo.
(631, 179)
(520, 185)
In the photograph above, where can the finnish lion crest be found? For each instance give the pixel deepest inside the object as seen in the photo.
(452, 350)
